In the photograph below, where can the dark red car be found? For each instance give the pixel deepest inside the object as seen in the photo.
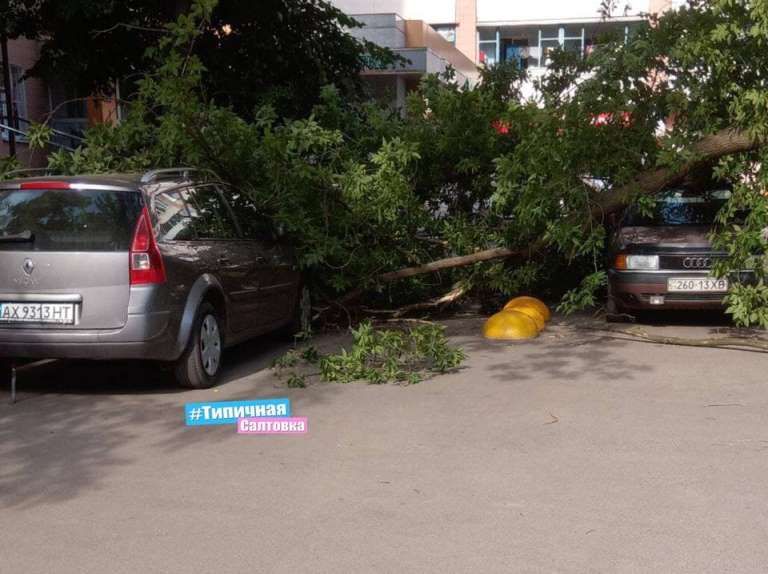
(664, 259)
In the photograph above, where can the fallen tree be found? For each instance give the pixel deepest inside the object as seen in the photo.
(706, 150)
(395, 210)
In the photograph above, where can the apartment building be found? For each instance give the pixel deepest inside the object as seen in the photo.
(489, 31)
(423, 49)
(37, 101)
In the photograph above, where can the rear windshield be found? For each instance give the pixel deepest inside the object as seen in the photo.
(681, 207)
(67, 220)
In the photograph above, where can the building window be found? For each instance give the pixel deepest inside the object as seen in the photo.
(18, 89)
(488, 46)
(70, 113)
(532, 46)
(447, 31)
(516, 50)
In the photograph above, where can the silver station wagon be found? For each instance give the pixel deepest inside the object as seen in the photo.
(169, 266)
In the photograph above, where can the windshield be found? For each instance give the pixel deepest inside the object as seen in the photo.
(681, 206)
(67, 220)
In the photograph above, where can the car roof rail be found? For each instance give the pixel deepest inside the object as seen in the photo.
(155, 175)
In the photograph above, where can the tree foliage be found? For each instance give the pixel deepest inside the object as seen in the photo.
(362, 191)
(277, 51)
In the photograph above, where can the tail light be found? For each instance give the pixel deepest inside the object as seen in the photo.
(45, 185)
(620, 262)
(145, 259)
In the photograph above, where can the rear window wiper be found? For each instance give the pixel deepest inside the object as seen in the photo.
(23, 237)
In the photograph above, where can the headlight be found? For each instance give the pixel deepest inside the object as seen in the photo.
(642, 262)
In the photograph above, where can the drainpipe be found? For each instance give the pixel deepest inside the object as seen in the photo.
(8, 94)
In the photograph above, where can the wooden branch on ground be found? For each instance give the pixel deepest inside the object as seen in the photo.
(454, 294)
(734, 343)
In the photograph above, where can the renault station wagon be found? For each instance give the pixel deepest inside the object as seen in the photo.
(170, 266)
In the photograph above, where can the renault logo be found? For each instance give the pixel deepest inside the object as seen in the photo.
(697, 262)
(28, 266)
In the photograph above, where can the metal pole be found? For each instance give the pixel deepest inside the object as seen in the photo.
(8, 94)
(13, 383)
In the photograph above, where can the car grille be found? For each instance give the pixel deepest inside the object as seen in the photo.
(695, 262)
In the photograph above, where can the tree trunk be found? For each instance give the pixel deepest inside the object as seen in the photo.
(709, 148)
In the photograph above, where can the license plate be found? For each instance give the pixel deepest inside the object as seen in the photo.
(697, 285)
(60, 313)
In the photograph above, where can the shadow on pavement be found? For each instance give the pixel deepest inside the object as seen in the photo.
(137, 377)
(77, 423)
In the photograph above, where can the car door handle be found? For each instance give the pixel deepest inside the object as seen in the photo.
(223, 260)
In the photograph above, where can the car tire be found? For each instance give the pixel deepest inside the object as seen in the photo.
(199, 366)
(614, 311)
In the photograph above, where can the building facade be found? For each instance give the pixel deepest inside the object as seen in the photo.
(485, 32)
(423, 49)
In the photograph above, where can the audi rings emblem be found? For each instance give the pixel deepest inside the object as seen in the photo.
(697, 262)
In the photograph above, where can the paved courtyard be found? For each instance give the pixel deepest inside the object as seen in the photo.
(576, 452)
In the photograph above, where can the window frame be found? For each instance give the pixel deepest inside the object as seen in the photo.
(156, 216)
(217, 186)
(545, 36)
(20, 107)
(226, 189)
(445, 30)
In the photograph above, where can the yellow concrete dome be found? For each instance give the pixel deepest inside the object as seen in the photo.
(526, 301)
(510, 325)
(531, 312)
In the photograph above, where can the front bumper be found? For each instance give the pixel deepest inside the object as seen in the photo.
(634, 289)
(149, 336)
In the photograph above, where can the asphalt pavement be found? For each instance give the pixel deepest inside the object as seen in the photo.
(577, 452)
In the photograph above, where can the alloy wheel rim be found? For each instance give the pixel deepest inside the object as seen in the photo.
(210, 345)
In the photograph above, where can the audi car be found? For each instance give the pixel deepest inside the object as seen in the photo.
(662, 256)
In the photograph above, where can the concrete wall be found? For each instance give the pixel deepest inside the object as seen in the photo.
(419, 34)
(387, 30)
(466, 29)
(548, 10)
(431, 11)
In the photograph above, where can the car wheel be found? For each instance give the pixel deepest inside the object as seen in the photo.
(614, 311)
(199, 366)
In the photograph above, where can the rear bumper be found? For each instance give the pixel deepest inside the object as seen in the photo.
(149, 336)
(633, 290)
